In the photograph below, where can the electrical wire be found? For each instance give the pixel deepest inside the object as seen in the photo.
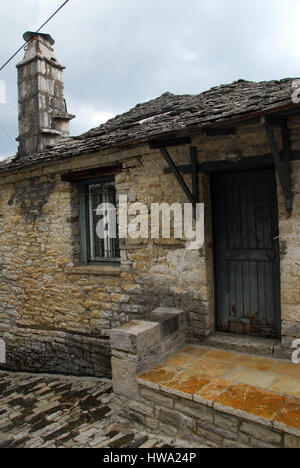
(8, 136)
(44, 24)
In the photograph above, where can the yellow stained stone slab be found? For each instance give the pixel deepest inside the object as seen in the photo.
(159, 374)
(254, 401)
(208, 366)
(290, 415)
(195, 350)
(187, 382)
(286, 385)
(212, 391)
(177, 359)
(244, 375)
(287, 368)
(254, 362)
(220, 355)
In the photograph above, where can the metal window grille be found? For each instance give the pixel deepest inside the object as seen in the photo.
(102, 209)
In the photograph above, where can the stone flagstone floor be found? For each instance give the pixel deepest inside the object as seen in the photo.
(47, 411)
(264, 389)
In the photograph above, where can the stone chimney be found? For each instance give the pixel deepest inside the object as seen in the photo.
(43, 115)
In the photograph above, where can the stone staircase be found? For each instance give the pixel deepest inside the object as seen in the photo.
(200, 395)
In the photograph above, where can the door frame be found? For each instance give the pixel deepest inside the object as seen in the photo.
(222, 169)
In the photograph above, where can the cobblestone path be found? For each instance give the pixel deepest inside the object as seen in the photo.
(47, 411)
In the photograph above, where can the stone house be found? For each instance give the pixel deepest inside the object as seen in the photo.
(235, 148)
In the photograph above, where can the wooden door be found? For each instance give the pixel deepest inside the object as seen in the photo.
(246, 246)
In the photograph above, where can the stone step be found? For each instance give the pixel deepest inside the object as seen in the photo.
(247, 344)
(221, 398)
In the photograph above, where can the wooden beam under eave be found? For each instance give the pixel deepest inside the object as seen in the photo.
(77, 176)
(254, 162)
(178, 176)
(286, 148)
(220, 131)
(281, 168)
(179, 141)
(194, 166)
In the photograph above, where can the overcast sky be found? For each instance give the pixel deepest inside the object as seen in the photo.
(122, 52)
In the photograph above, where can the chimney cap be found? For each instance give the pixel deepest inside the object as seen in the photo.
(30, 35)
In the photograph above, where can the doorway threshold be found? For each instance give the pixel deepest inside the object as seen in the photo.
(247, 344)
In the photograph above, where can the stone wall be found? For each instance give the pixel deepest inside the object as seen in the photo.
(289, 227)
(193, 424)
(57, 315)
(49, 318)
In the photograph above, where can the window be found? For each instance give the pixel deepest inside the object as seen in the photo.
(98, 219)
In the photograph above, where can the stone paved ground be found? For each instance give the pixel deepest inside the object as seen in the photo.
(47, 411)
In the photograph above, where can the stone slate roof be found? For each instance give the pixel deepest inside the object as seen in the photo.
(170, 115)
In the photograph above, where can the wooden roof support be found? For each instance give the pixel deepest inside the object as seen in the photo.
(194, 167)
(286, 148)
(94, 173)
(283, 168)
(193, 197)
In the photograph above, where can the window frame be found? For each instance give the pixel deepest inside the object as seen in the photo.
(85, 225)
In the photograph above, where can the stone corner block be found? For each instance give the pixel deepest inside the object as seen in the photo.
(135, 336)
